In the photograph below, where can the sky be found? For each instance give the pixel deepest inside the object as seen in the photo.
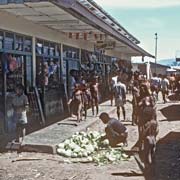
(144, 18)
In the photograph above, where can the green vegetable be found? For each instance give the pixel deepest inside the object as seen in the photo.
(89, 145)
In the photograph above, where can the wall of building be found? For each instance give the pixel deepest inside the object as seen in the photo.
(158, 69)
(118, 54)
(142, 67)
(135, 67)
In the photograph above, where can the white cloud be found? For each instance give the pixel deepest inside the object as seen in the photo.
(138, 3)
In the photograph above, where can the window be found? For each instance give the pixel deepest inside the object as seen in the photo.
(1, 75)
(47, 64)
(19, 43)
(39, 47)
(52, 49)
(9, 41)
(27, 44)
(15, 71)
(1, 40)
(57, 50)
(46, 48)
(29, 82)
(70, 52)
(47, 72)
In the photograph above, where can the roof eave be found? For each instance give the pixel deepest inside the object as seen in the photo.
(79, 11)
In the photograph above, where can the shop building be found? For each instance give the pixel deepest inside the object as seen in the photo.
(41, 41)
(154, 68)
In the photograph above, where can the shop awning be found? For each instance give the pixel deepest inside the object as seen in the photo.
(78, 19)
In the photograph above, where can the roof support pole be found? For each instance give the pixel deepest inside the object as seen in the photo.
(34, 60)
(156, 38)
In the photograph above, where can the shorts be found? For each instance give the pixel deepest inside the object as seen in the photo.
(115, 139)
(21, 125)
(119, 102)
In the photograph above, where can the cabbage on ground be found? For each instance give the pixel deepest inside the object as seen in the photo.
(90, 146)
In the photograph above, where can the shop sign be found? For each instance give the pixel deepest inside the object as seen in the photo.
(105, 45)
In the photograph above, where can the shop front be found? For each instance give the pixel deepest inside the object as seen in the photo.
(43, 41)
(16, 68)
(71, 62)
(48, 77)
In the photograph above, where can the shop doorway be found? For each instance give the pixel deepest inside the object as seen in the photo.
(15, 69)
(48, 79)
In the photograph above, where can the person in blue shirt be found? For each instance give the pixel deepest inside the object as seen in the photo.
(116, 132)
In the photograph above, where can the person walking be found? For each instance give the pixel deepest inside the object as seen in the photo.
(135, 102)
(155, 84)
(164, 88)
(120, 98)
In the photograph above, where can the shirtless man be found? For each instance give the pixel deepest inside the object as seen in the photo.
(94, 89)
(77, 102)
(148, 125)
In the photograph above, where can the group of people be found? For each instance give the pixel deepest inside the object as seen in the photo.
(83, 93)
(144, 97)
(166, 84)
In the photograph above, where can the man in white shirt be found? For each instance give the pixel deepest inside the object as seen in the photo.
(156, 84)
(113, 82)
(164, 88)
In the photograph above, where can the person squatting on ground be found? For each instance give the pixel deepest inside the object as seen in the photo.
(120, 98)
(94, 89)
(115, 131)
(20, 105)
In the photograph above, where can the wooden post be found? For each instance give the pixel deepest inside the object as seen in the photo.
(4, 94)
(61, 64)
(34, 60)
(80, 51)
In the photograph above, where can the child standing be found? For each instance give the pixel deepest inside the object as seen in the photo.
(20, 106)
(77, 102)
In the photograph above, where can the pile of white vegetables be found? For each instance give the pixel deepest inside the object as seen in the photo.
(89, 145)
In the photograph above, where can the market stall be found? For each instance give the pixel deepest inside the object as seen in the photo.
(16, 68)
(71, 61)
(48, 77)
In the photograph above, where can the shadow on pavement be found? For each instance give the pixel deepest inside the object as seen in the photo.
(174, 97)
(127, 174)
(166, 164)
(172, 113)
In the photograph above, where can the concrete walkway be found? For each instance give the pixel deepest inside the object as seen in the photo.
(45, 140)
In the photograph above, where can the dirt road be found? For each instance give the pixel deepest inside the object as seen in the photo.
(31, 166)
